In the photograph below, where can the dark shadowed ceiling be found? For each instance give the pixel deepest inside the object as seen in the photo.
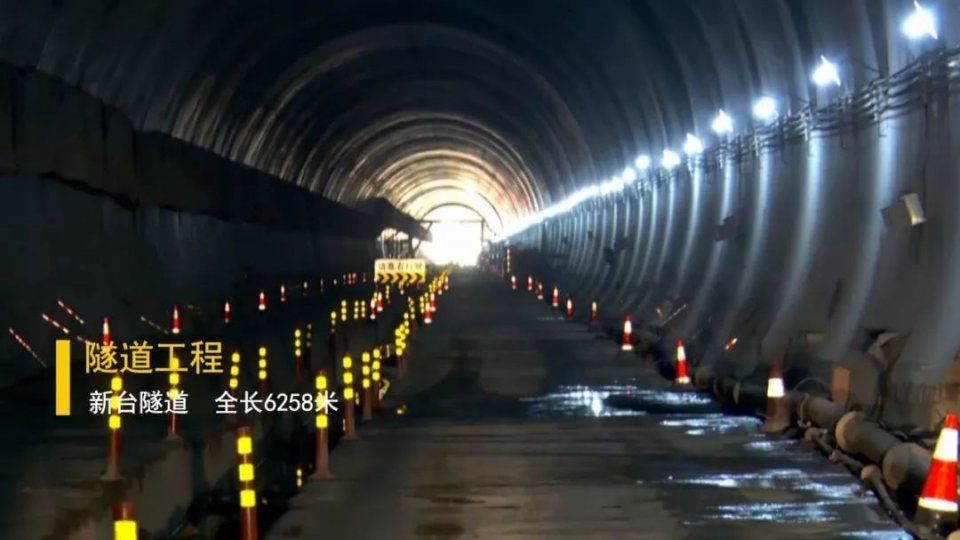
(501, 106)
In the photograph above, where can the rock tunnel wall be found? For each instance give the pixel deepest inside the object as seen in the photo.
(785, 248)
(124, 223)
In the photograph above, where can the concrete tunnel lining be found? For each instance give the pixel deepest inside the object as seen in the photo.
(218, 146)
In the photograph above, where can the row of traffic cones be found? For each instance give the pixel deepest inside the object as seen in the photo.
(937, 507)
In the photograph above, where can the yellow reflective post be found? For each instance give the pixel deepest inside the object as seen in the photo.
(246, 484)
(321, 469)
(262, 369)
(349, 422)
(234, 383)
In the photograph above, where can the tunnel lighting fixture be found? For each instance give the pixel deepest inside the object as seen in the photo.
(826, 73)
(693, 146)
(722, 123)
(629, 175)
(765, 109)
(642, 162)
(920, 24)
(670, 159)
(616, 184)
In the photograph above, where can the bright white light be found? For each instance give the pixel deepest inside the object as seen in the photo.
(692, 146)
(629, 175)
(642, 162)
(605, 188)
(722, 123)
(826, 73)
(616, 184)
(920, 23)
(670, 159)
(765, 109)
(455, 238)
(596, 405)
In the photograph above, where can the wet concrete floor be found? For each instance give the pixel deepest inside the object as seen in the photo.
(508, 432)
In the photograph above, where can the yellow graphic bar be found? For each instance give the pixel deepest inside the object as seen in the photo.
(63, 377)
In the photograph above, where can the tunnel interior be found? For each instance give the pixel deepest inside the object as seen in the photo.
(172, 153)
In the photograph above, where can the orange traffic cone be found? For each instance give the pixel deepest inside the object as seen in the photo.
(569, 308)
(626, 341)
(262, 302)
(373, 309)
(683, 376)
(593, 312)
(226, 312)
(175, 325)
(379, 302)
(427, 314)
(555, 301)
(283, 293)
(539, 290)
(937, 506)
(530, 283)
(513, 283)
(778, 414)
(105, 339)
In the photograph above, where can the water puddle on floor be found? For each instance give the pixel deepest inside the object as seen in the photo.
(712, 424)
(579, 401)
(618, 400)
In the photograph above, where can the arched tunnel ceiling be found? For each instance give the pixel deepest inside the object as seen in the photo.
(502, 106)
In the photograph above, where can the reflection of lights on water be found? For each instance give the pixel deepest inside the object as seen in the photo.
(715, 423)
(668, 397)
(877, 535)
(580, 401)
(596, 405)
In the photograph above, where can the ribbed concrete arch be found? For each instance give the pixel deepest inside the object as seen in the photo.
(548, 95)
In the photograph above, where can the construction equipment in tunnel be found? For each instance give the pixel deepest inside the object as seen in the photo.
(937, 507)
(349, 405)
(626, 338)
(777, 412)
(321, 470)
(246, 486)
(124, 521)
(682, 377)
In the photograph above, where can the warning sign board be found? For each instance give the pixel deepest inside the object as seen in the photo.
(400, 271)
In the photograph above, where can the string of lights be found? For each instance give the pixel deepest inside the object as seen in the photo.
(937, 72)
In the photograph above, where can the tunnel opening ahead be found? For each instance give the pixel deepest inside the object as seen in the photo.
(767, 189)
(457, 235)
